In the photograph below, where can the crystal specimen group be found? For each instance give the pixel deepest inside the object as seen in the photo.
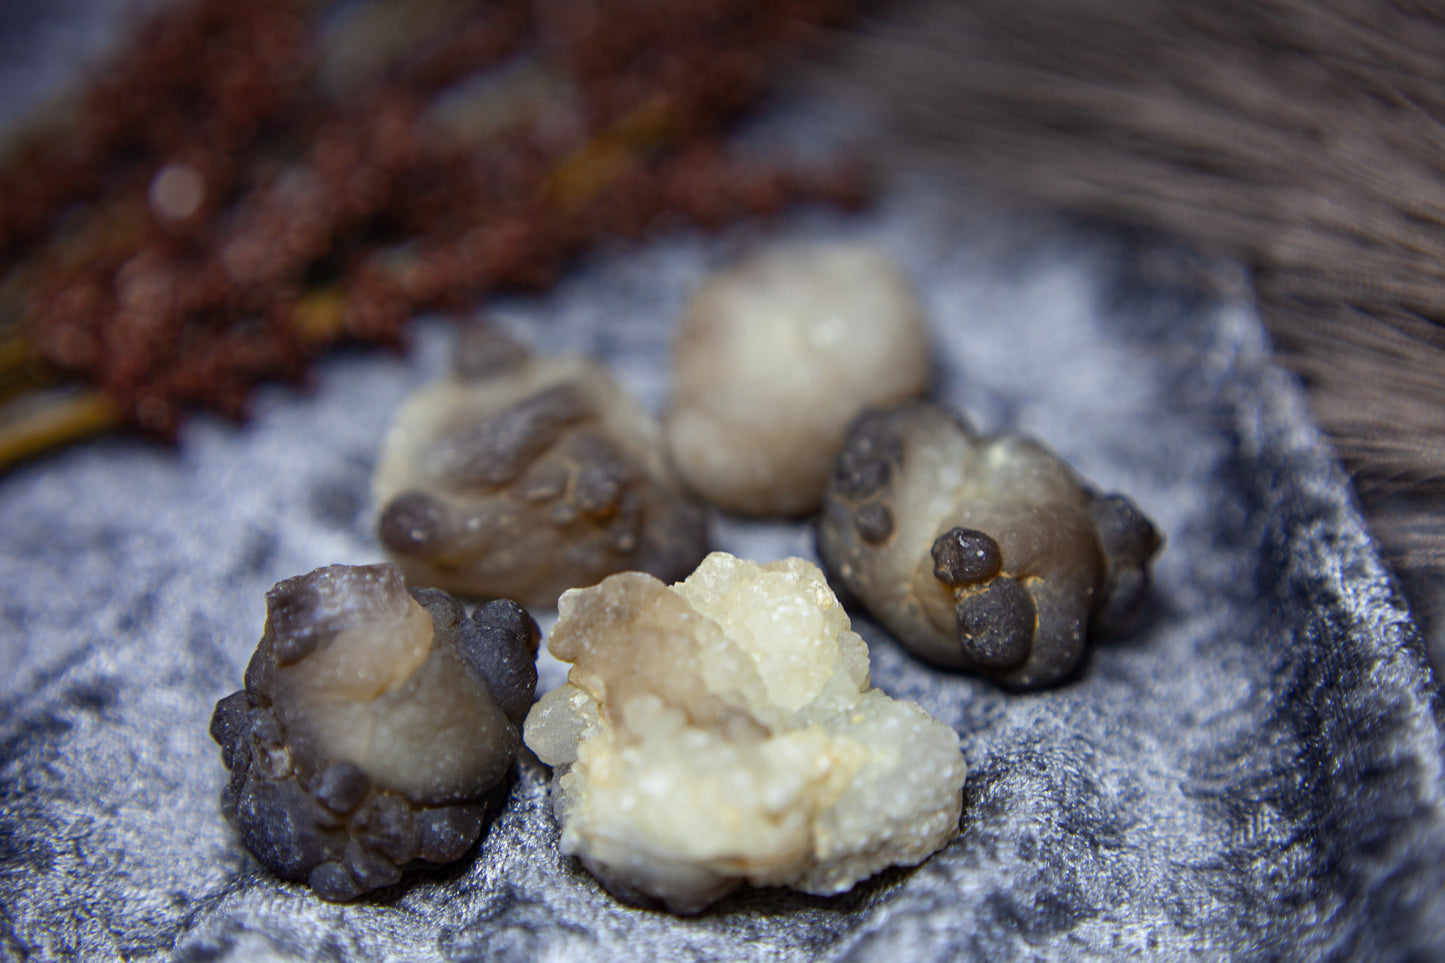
(723, 730)
(982, 554)
(521, 477)
(374, 727)
(773, 359)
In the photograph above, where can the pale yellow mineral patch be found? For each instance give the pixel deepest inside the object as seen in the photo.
(723, 730)
(775, 356)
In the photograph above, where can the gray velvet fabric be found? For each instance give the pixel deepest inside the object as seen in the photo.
(1254, 773)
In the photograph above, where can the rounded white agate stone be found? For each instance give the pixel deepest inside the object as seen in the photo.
(773, 359)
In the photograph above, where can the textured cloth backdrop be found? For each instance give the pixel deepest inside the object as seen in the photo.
(1254, 773)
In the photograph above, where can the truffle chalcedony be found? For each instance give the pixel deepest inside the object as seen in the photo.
(774, 358)
(521, 477)
(983, 554)
(723, 730)
(373, 727)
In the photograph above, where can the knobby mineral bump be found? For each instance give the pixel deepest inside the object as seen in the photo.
(982, 554)
(723, 730)
(376, 727)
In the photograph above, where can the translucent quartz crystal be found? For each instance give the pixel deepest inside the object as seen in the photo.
(772, 360)
(983, 554)
(723, 730)
(521, 477)
(373, 725)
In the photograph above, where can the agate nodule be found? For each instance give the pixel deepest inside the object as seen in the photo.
(773, 359)
(520, 477)
(981, 554)
(376, 727)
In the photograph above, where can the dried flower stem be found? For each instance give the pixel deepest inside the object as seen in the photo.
(232, 190)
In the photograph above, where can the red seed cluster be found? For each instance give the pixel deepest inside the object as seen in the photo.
(214, 218)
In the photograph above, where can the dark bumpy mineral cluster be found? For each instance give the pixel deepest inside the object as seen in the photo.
(981, 554)
(521, 477)
(376, 728)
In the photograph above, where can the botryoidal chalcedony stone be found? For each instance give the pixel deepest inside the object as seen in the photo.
(375, 726)
(520, 477)
(723, 730)
(982, 554)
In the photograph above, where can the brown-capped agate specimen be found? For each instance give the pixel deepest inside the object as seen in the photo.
(773, 359)
(521, 477)
(982, 554)
(376, 728)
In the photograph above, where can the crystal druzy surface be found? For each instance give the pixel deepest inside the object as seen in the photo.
(723, 730)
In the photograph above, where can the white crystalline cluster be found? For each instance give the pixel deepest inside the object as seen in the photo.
(723, 730)
(775, 356)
